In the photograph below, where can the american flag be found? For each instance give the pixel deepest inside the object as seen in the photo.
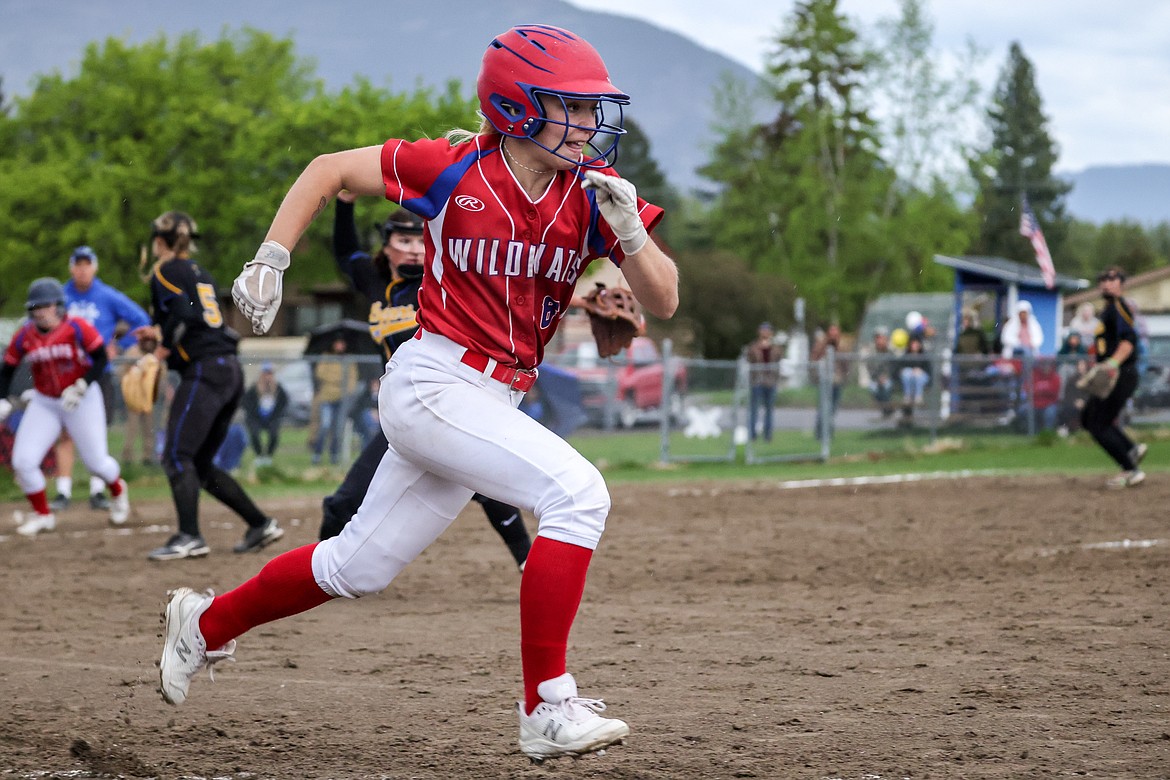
(1030, 229)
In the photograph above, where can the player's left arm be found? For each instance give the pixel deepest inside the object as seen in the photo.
(653, 279)
(100, 359)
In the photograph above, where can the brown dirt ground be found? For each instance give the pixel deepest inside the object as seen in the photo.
(940, 629)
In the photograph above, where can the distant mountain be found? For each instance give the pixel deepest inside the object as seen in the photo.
(1104, 193)
(401, 45)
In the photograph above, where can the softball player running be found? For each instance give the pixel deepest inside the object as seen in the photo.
(68, 358)
(202, 349)
(514, 215)
(390, 281)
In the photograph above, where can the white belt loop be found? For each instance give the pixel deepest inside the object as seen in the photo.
(491, 367)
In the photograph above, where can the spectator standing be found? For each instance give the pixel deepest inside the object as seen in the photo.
(1085, 323)
(89, 298)
(972, 339)
(829, 338)
(264, 404)
(1046, 393)
(763, 356)
(1021, 335)
(141, 384)
(1116, 352)
(335, 381)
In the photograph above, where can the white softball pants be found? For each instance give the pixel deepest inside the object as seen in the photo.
(454, 432)
(40, 427)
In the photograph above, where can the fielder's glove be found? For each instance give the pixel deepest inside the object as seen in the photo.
(618, 201)
(259, 288)
(614, 318)
(5, 409)
(1099, 380)
(71, 396)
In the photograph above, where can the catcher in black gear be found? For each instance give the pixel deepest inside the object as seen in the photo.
(390, 280)
(1113, 380)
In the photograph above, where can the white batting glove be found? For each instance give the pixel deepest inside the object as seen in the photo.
(5, 409)
(259, 288)
(618, 201)
(71, 396)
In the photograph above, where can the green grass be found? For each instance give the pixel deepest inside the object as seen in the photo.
(635, 457)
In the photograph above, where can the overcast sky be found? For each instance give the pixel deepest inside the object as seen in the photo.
(1102, 68)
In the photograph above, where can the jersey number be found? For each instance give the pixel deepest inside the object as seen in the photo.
(211, 313)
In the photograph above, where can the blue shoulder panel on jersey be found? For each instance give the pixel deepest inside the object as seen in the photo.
(429, 206)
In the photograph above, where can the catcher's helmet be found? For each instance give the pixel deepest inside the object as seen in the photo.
(45, 292)
(401, 221)
(539, 60)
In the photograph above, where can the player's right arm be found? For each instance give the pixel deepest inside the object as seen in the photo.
(356, 170)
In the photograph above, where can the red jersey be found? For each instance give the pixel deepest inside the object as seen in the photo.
(57, 358)
(500, 268)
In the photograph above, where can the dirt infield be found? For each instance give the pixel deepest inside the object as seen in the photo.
(975, 629)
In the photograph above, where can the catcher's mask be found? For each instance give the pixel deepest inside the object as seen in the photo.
(533, 61)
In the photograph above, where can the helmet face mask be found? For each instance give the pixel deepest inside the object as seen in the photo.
(528, 76)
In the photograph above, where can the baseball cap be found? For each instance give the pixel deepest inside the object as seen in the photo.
(267, 366)
(83, 252)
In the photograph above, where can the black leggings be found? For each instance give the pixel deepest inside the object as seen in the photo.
(339, 508)
(1101, 416)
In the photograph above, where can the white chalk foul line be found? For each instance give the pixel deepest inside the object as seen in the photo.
(888, 479)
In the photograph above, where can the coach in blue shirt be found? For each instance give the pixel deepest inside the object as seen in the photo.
(91, 299)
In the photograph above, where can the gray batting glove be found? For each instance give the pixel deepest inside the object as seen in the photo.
(259, 288)
(618, 201)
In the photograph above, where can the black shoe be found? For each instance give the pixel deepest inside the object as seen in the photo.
(99, 501)
(60, 503)
(180, 545)
(259, 538)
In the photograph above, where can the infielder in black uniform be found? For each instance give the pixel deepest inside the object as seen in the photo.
(202, 349)
(390, 280)
(1116, 349)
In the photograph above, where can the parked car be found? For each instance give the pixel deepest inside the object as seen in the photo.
(628, 387)
(297, 379)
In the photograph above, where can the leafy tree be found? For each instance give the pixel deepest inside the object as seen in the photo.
(922, 123)
(219, 130)
(808, 197)
(1018, 161)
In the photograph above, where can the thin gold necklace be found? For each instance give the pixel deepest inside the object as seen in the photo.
(522, 165)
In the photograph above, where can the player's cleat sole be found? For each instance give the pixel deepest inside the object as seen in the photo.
(120, 506)
(36, 524)
(259, 538)
(180, 546)
(184, 649)
(564, 724)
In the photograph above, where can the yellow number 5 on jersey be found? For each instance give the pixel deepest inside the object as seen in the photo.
(211, 313)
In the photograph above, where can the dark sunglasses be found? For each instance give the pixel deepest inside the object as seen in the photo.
(1108, 277)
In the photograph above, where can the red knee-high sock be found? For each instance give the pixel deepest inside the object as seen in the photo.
(550, 592)
(285, 586)
(40, 503)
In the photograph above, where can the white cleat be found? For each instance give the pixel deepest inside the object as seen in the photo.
(34, 524)
(564, 724)
(120, 505)
(184, 650)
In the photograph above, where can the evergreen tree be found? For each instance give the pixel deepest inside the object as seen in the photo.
(1018, 162)
(637, 164)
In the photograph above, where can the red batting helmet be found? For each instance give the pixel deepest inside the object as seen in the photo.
(537, 59)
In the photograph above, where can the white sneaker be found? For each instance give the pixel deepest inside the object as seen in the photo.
(1127, 479)
(564, 724)
(120, 506)
(184, 650)
(35, 524)
(1138, 453)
